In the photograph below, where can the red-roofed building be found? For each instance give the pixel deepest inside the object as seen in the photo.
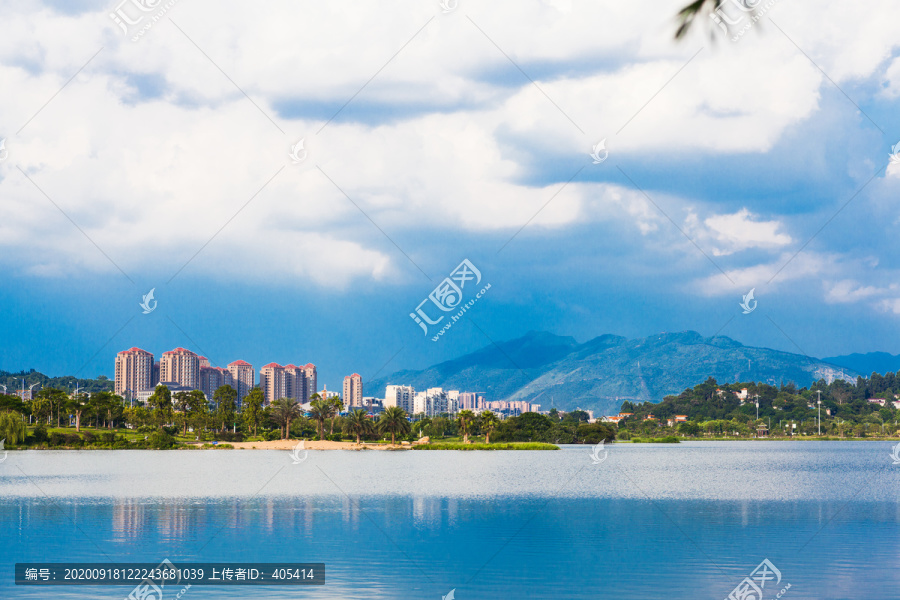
(212, 378)
(243, 378)
(353, 391)
(181, 366)
(134, 372)
(312, 380)
(204, 362)
(271, 382)
(295, 383)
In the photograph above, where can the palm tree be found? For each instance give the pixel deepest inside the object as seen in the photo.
(285, 410)
(336, 407)
(465, 418)
(358, 423)
(393, 421)
(320, 410)
(489, 422)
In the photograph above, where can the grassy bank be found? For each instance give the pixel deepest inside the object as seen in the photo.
(476, 446)
(671, 439)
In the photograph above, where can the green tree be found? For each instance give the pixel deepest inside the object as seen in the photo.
(107, 407)
(10, 403)
(465, 418)
(160, 402)
(336, 406)
(252, 411)
(12, 427)
(489, 423)
(226, 404)
(78, 404)
(358, 423)
(393, 421)
(285, 410)
(55, 399)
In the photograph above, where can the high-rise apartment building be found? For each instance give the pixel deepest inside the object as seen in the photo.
(471, 401)
(272, 382)
(204, 362)
(353, 391)
(295, 383)
(312, 380)
(134, 372)
(400, 395)
(243, 378)
(212, 378)
(180, 366)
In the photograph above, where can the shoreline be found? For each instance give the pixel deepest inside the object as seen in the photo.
(310, 445)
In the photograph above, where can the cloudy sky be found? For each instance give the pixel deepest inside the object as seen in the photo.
(156, 153)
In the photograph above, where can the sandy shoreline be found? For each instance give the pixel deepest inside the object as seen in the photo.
(315, 445)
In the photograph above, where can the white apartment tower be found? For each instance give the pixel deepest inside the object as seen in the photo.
(400, 395)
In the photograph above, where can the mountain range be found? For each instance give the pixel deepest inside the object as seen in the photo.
(871, 362)
(598, 375)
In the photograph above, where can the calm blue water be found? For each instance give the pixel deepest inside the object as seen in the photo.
(651, 521)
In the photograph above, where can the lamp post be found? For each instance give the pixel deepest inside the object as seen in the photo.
(820, 410)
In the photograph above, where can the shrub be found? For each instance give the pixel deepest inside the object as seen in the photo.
(73, 439)
(108, 438)
(170, 430)
(89, 438)
(227, 436)
(57, 438)
(40, 435)
(160, 441)
(272, 435)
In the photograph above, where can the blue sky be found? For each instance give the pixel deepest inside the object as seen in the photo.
(165, 163)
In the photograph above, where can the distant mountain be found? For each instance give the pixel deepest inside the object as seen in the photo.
(598, 375)
(13, 381)
(872, 362)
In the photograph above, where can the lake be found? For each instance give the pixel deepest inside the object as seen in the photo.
(674, 521)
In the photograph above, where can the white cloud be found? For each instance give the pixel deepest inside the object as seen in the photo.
(732, 233)
(152, 178)
(849, 291)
